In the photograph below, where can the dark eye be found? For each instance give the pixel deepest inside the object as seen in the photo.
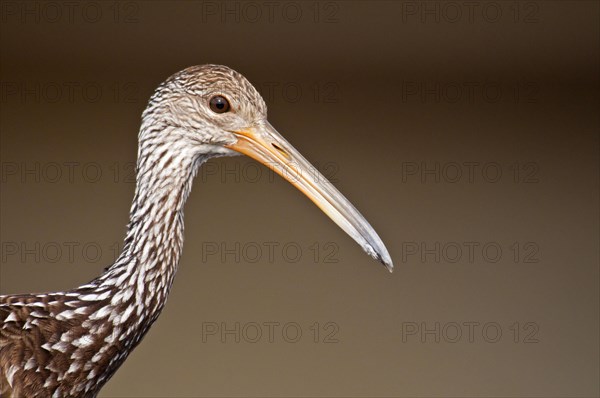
(219, 104)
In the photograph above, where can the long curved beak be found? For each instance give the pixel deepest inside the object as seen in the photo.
(264, 144)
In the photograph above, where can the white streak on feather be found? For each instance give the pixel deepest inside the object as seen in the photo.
(38, 314)
(84, 341)
(97, 357)
(91, 374)
(126, 314)
(10, 373)
(75, 366)
(11, 318)
(65, 315)
(82, 310)
(95, 297)
(110, 339)
(61, 346)
(30, 364)
(101, 313)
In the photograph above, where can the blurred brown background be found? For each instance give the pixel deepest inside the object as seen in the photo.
(466, 133)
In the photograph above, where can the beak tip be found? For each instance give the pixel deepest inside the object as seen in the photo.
(386, 260)
(390, 267)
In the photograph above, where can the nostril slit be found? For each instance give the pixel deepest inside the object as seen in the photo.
(280, 149)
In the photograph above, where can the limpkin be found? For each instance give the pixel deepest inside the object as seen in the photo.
(68, 344)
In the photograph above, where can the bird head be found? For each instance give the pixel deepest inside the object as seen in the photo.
(212, 110)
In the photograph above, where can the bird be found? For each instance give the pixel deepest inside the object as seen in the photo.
(70, 343)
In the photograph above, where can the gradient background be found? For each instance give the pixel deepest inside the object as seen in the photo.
(515, 91)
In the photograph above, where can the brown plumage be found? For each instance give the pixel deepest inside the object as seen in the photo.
(68, 344)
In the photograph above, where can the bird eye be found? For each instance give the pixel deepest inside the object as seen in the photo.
(219, 104)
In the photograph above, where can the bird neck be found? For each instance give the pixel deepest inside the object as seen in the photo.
(102, 321)
(143, 274)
